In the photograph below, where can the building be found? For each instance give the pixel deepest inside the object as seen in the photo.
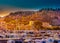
(31, 23)
(46, 24)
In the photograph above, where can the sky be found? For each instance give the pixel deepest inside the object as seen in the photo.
(31, 4)
(7, 5)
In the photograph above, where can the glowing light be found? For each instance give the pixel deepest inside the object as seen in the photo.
(31, 22)
(2, 16)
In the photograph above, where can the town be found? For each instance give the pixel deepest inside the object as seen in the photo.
(42, 26)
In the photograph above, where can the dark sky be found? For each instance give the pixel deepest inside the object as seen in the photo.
(31, 4)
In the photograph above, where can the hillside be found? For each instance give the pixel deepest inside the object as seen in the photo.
(48, 18)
